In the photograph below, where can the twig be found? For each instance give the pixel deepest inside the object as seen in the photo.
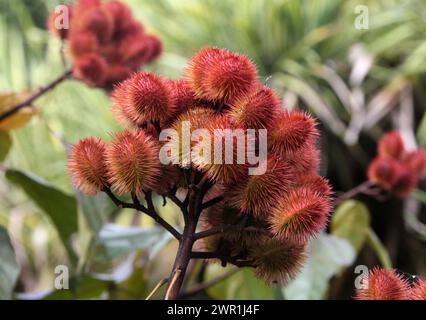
(67, 74)
(367, 188)
(157, 287)
(203, 286)
(211, 202)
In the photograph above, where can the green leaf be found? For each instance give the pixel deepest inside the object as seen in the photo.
(327, 255)
(59, 207)
(351, 221)
(5, 144)
(243, 285)
(9, 268)
(421, 131)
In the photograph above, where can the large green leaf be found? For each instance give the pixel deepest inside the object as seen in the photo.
(327, 255)
(243, 285)
(59, 207)
(351, 221)
(5, 144)
(9, 268)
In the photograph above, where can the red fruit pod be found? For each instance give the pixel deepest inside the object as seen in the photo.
(314, 182)
(383, 172)
(277, 261)
(255, 110)
(391, 145)
(418, 291)
(98, 21)
(416, 161)
(383, 284)
(87, 165)
(301, 214)
(121, 14)
(81, 6)
(305, 160)
(183, 96)
(82, 43)
(291, 131)
(143, 98)
(59, 21)
(91, 68)
(405, 182)
(133, 162)
(258, 194)
(155, 48)
(117, 73)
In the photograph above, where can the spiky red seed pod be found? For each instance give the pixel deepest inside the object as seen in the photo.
(56, 24)
(301, 214)
(197, 67)
(155, 48)
(98, 21)
(228, 77)
(383, 284)
(255, 110)
(81, 6)
(91, 68)
(418, 291)
(291, 131)
(121, 14)
(169, 177)
(216, 170)
(405, 182)
(183, 95)
(143, 98)
(258, 194)
(82, 43)
(304, 160)
(87, 165)
(117, 73)
(133, 162)
(416, 161)
(277, 261)
(391, 145)
(314, 182)
(383, 172)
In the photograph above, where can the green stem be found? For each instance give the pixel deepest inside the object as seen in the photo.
(379, 249)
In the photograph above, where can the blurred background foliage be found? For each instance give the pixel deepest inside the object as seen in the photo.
(359, 83)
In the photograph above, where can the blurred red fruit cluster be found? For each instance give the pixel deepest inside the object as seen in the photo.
(395, 169)
(381, 284)
(277, 212)
(104, 40)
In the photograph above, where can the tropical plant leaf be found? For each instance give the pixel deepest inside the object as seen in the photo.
(9, 268)
(5, 144)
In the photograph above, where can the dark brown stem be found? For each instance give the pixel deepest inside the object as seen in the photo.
(212, 202)
(67, 74)
(361, 188)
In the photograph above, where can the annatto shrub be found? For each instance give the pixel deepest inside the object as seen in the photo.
(257, 214)
(395, 169)
(104, 40)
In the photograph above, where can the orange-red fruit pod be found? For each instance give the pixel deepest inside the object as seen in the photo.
(133, 162)
(383, 172)
(59, 20)
(87, 165)
(291, 131)
(383, 284)
(314, 182)
(301, 214)
(255, 110)
(258, 194)
(405, 182)
(98, 21)
(143, 98)
(277, 261)
(416, 161)
(391, 146)
(221, 75)
(418, 291)
(91, 68)
(82, 43)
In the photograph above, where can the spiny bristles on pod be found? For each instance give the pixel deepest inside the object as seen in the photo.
(197, 67)
(184, 97)
(91, 68)
(99, 21)
(416, 161)
(82, 43)
(277, 261)
(121, 13)
(143, 98)
(87, 165)
(391, 145)
(193, 119)
(133, 162)
(418, 291)
(291, 131)
(117, 73)
(258, 194)
(255, 110)
(221, 75)
(155, 48)
(304, 160)
(301, 214)
(383, 284)
(314, 182)
(226, 161)
(405, 183)
(383, 172)
(56, 23)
